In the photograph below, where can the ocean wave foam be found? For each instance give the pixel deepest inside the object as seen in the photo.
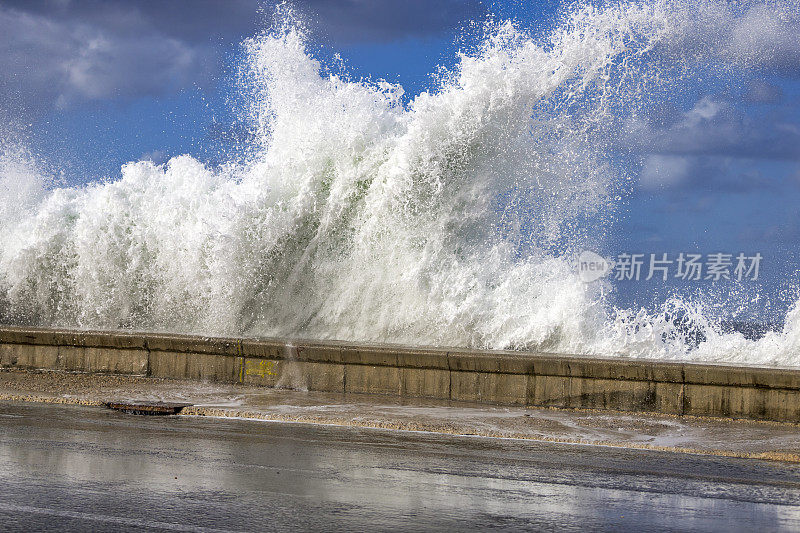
(448, 220)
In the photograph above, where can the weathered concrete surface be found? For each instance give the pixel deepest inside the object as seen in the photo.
(693, 435)
(497, 377)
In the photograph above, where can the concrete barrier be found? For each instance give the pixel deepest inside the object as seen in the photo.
(496, 377)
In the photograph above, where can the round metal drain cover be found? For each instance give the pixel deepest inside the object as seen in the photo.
(148, 408)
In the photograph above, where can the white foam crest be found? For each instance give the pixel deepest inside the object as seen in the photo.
(23, 183)
(450, 220)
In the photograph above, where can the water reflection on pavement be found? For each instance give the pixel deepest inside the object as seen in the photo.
(78, 468)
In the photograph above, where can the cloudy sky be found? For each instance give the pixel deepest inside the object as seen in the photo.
(61, 53)
(92, 84)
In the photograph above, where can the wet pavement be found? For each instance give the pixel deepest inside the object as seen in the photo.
(737, 438)
(88, 468)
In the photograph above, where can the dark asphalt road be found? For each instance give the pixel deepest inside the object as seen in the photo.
(73, 468)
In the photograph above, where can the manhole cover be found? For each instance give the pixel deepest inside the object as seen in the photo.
(148, 408)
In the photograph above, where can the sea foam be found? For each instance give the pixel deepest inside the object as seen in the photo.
(450, 219)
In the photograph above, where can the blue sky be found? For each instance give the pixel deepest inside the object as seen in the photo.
(159, 83)
(90, 85)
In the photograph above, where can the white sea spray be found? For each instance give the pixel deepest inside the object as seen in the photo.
(452, 219)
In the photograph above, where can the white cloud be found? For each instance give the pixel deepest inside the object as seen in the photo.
(767, 37)
(157, 157)
(761, 92)
(714, 127)
(46, 61)
(61, 52)
(664, 171)
(704, 109)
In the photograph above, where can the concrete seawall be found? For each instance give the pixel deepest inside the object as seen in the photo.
(496, 377)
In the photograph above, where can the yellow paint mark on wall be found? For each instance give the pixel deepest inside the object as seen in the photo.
(260, 368)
